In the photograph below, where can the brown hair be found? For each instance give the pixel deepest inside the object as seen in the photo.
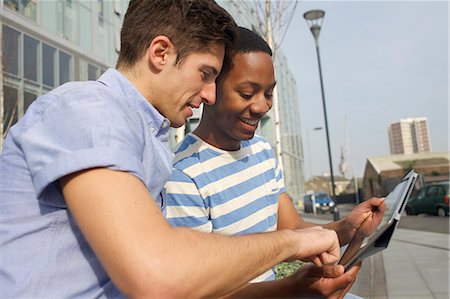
(191, 25)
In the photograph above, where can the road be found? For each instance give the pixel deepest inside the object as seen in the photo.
(422, 222)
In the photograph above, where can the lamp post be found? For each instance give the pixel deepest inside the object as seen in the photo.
(314, 19)
(309, 147)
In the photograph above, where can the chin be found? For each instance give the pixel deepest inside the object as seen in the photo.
(176, 124)
(247, 136)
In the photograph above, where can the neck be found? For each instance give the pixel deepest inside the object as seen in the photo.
(211, 134)
(139, 79)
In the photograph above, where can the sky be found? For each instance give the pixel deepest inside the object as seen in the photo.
(382, 61)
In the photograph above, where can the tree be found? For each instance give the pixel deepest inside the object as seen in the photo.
(273, 19)
(9, 102)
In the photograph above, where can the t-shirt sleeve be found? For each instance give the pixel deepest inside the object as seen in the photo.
(76, 133)
(185, 205)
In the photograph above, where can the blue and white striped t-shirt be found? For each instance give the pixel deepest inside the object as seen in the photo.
(225, 192)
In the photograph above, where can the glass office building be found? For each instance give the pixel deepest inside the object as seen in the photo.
(47, 43)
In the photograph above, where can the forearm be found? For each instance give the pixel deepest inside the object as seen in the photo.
(146, 257)
(341, 227)
(233, 261)
(288, 218)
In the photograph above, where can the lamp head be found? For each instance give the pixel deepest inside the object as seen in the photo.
(314, 19)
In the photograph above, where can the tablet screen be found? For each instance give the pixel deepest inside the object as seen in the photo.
(393, 203)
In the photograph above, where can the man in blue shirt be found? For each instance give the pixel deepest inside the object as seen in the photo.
(82, 175)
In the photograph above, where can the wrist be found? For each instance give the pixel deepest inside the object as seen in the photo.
(348, 230)
(289, 243)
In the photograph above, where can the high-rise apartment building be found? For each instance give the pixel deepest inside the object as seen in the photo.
(47, 43)
(409, 136)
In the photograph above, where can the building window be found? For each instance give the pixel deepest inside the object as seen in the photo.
(11, 107)
(64, 67)
(101, 12)
(11, 50)
(24, 7)
(117, 7)
(92, 72)
(30, 58)
(28, 98)
(48, 65)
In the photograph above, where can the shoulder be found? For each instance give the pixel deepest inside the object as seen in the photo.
(187, 152)
(194, 156)
(258, 144)
(77, 95)
(87, 95)
(84, 102)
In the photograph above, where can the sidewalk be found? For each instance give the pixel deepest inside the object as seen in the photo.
(415, 265)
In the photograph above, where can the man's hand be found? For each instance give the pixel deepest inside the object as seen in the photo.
(318, 282)
(318, 245)
(366, 216)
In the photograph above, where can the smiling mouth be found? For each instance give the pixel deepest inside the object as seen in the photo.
(249, 121)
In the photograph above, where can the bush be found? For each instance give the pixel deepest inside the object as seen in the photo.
(286, 269)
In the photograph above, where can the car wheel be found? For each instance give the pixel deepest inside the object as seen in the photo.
(441, 212)
(409, 211)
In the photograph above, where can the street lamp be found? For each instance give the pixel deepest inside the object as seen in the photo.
(309, 147)
(314, 19)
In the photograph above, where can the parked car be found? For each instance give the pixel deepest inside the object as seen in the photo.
(323, 203)
(431, 199)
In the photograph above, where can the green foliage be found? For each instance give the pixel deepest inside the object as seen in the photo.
(286, 269)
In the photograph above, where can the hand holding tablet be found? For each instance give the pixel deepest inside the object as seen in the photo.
(374, 232)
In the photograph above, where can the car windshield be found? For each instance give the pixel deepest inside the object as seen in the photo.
(322, 196)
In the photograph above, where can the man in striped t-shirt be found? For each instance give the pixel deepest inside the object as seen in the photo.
(226, 180)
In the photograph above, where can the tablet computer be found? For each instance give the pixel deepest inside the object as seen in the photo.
(362, 246)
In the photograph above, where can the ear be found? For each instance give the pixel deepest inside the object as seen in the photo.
(160, 52)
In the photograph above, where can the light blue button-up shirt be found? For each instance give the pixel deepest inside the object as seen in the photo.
(79, 125)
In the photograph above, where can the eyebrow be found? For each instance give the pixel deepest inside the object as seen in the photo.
(255, 85)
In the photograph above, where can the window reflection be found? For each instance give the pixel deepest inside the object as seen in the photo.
(28, 98)
(64, 67)
(24, 7)
(92, 72)
(11, 107)
(48, 65)
(11, 50)
(30, 46)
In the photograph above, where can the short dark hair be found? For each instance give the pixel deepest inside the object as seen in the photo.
(248, 41)
(191, 25)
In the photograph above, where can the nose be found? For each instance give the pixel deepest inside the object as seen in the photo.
(261, 105)
(208, 93)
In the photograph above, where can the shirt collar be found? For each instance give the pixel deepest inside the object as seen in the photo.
(159, 125)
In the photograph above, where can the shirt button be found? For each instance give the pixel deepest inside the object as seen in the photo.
(164, 124)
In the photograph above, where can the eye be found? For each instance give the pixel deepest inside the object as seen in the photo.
(206, 76)
(246, 95)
